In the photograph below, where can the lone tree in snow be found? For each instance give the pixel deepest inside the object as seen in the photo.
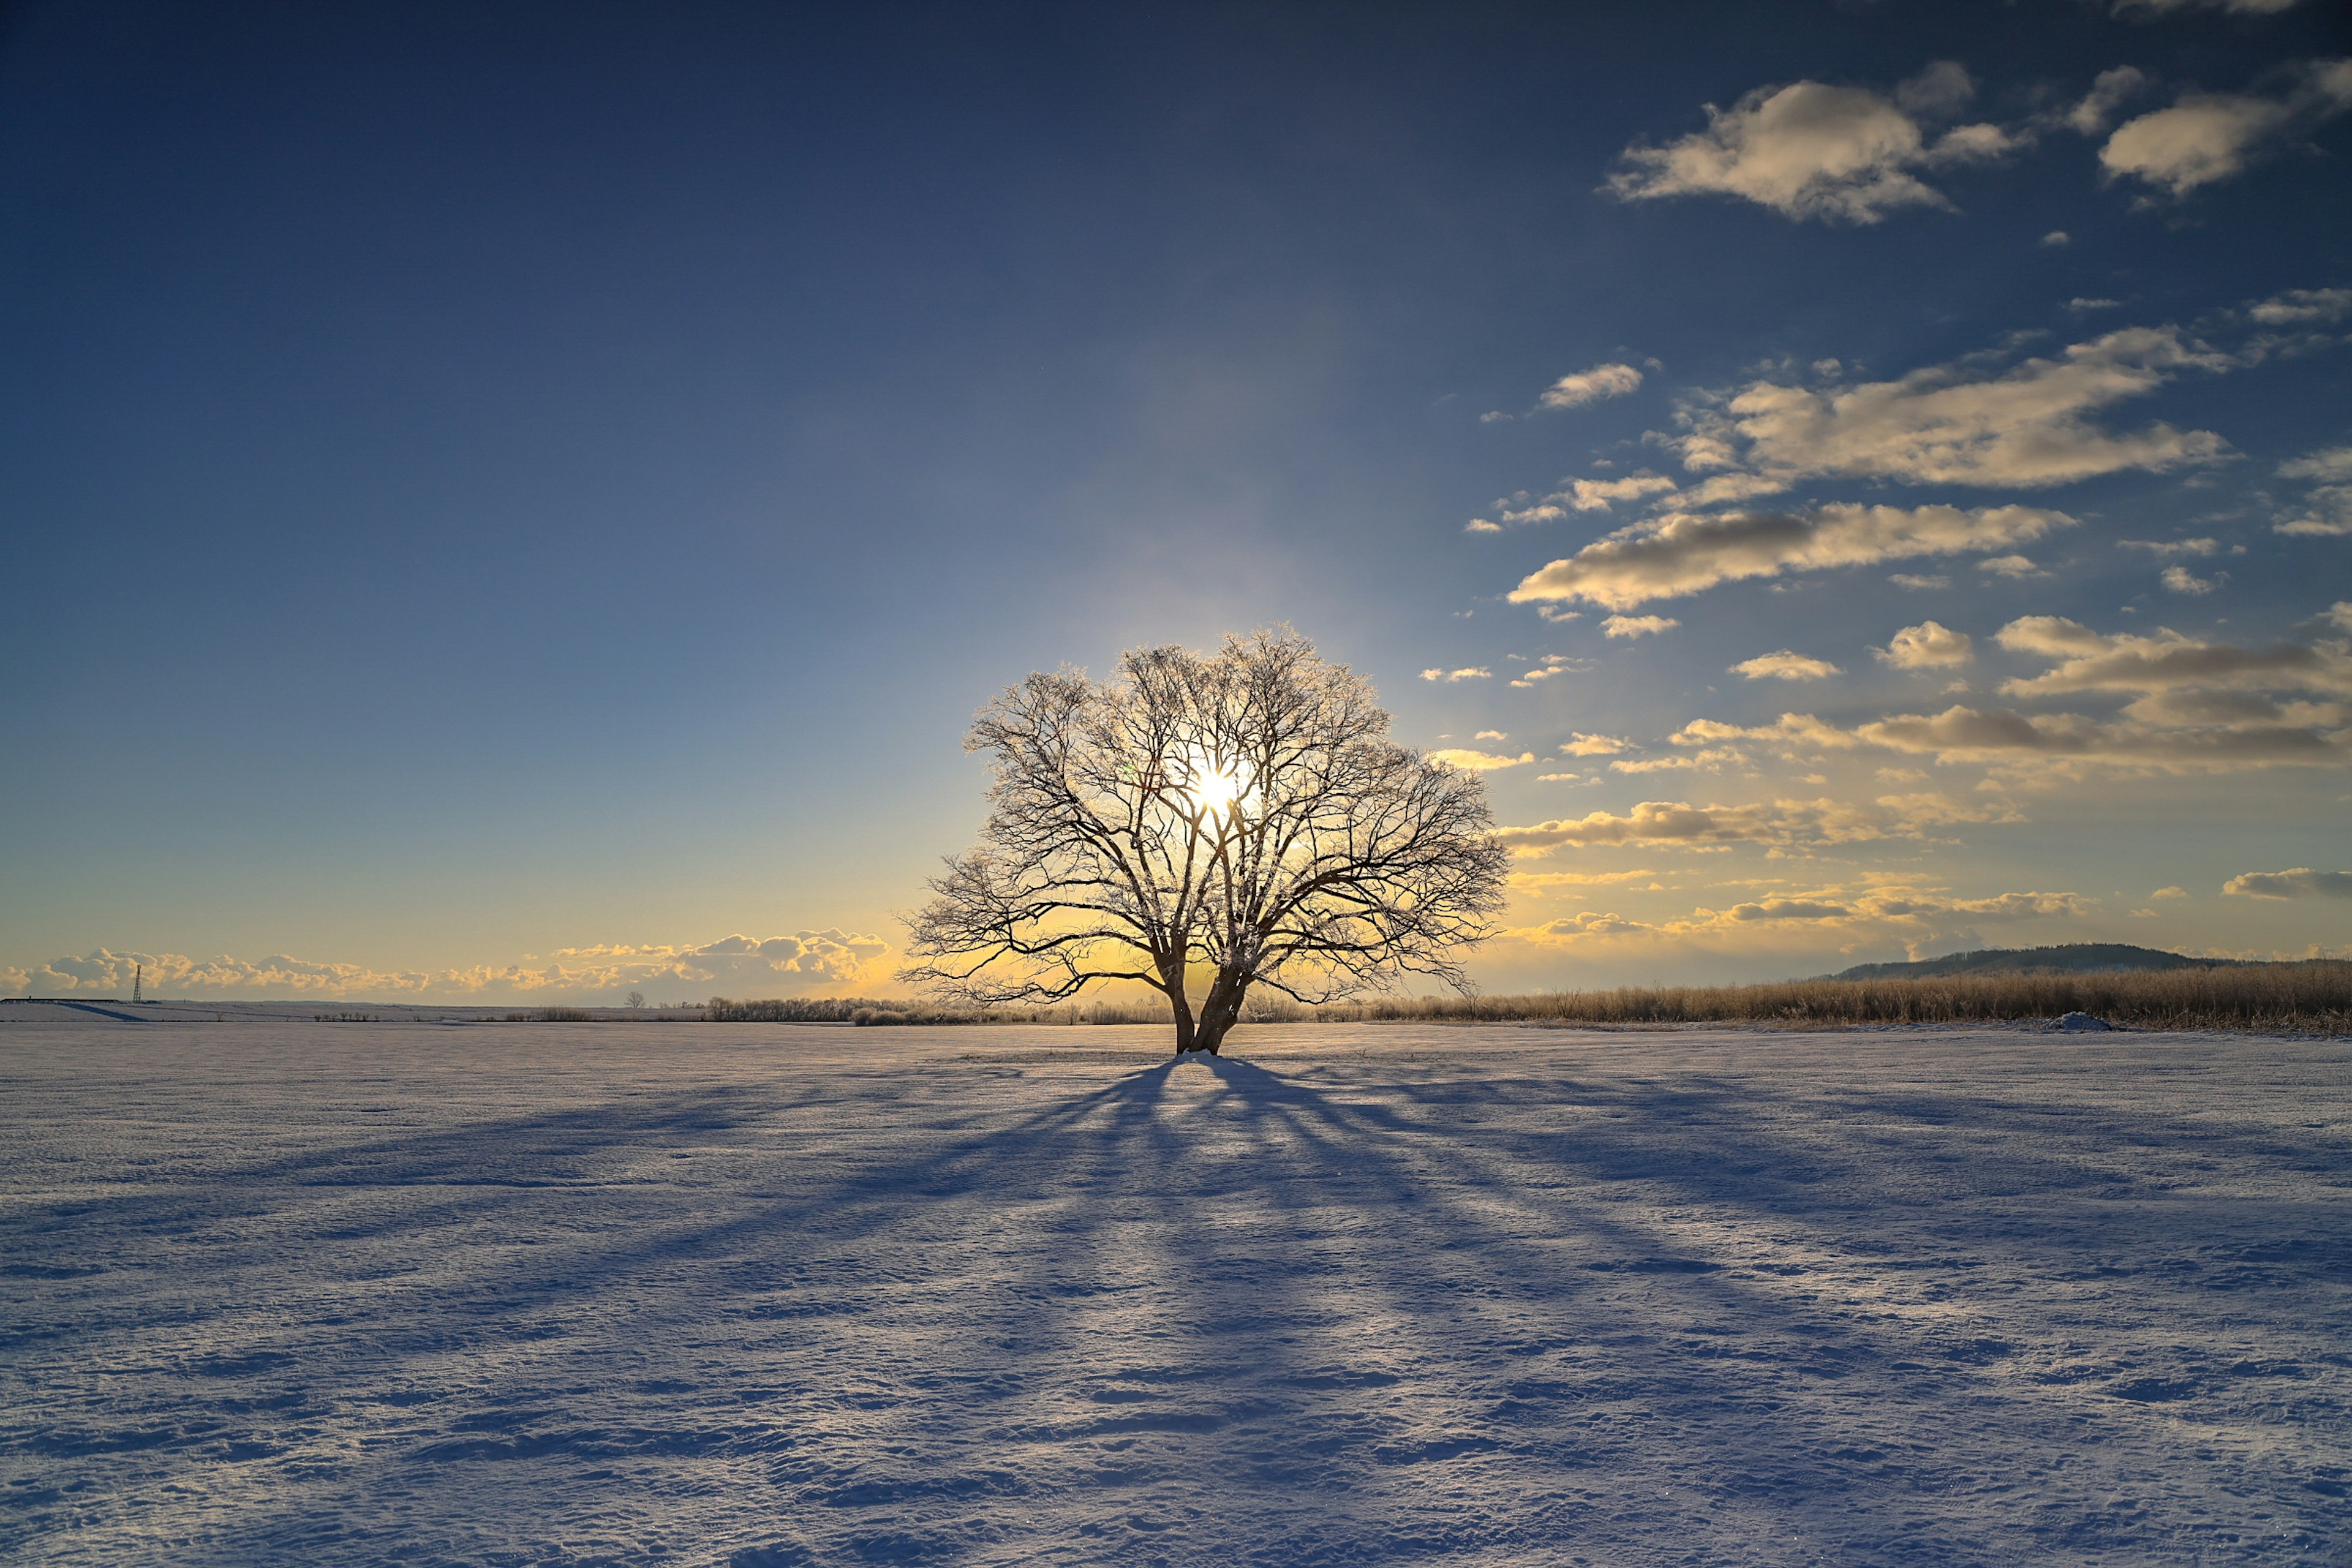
(1240, 814)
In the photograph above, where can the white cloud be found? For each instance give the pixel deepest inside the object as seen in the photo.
(1479, 761)
(2169, 893)
(1637, 626)
(1929, 645)
(2079, 304)
(2152, 8)
(2329, 505)
(1785, 665)
(1962, 734)
(1813, 151)
(2340, 613)
(1585, 387)
(1482, 525)
(1914, 581)
(2329, 517)
(2298, 883)
(2207, 136)
(2107, 94)
(1551, 665)
(2028, 426)
(2332, 463)
(807, 961)
(1585, 745)
(2164, 549)
(1781, 824)
(1920, 917)
(2181, 580)
(2087, 660)
(2302, 306)
(1468, 672)
(2010, 566)
(1490, 735)
(2057, 236)
(1684, 553)
(1578, 495)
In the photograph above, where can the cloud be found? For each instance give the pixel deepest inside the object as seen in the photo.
(1962, 734)
(1585, 745)
(2334, 463)
(2026, 427)
(1790, 734)
(2330, 516)
(2057, 236)
(1490, 735)
(1591, 386)
(1482, 525)
(1537, 881)
(1468, 672)
(1552, 664)
(2340, 613)
(807, 961)
(1576, 494)
(1914, 581)
(1785, 666)
(1637, 626)
(2010, 566)
(1916, 916)
(1813, 151)
(2181, 580)
(1930, 645)
(2078, 304)
(2330, 504)
(2167, 662)
(2148, 9)
(2301, 882)
(2302, 306)
(1781, 824)
(2163, 549)
(2206, 137)
(1684, 553)
(1479, 761)
(2107, 94)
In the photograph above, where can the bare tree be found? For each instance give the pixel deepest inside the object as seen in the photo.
(1241, 812)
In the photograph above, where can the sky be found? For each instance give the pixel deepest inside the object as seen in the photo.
(518, 501)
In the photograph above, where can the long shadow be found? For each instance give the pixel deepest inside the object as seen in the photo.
(1550, 1313)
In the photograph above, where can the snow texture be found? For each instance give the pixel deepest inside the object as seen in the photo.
(767, 1296)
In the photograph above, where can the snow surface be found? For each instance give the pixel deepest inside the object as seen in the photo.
(763, 1295)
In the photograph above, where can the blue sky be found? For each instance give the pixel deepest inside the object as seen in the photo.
(523, 500)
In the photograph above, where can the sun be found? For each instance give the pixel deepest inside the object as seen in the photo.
(1213, 787)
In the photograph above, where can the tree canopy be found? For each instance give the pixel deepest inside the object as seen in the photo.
(1240, 814)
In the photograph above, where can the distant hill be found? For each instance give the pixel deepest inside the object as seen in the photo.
(2075, 958)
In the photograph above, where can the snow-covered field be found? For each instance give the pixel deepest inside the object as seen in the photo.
(298, 1293)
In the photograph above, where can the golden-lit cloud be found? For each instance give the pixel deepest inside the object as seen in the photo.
(807, 963)
(1630, 626)
(2301, 882)
(1780, 824)
(1812, 150)
(1479, 761)
(1930, 645)
(1684, 553)
(1785, 665)
(1914, 915)
(1468, 672)
(1963, 423)
(1585, 387)
(2206, 137)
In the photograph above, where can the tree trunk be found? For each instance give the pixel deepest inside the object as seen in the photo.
(1220, 1011)
(1182, 1009)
